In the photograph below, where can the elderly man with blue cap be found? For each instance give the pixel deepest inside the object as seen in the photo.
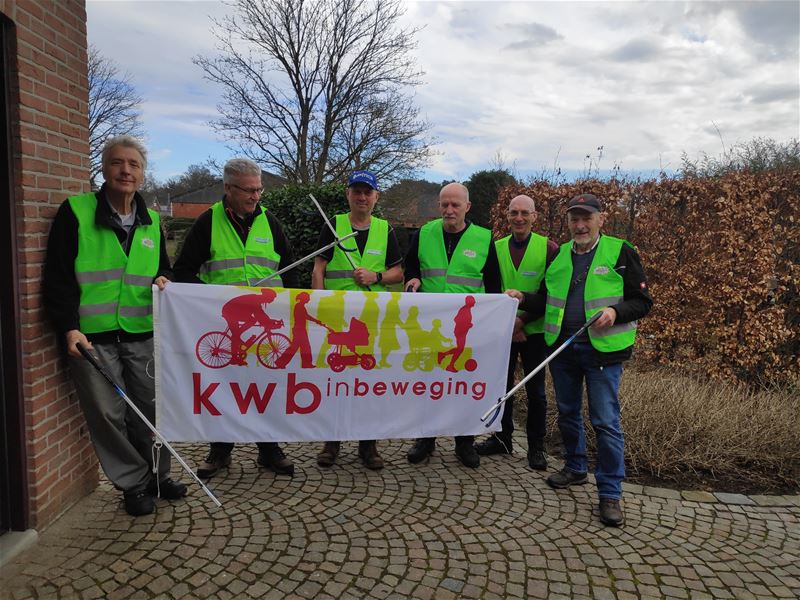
(373, 262)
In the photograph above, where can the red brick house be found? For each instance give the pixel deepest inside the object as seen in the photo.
(46, 460)
(194, 203)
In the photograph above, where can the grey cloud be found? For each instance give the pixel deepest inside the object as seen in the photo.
(640, 50)
(765, 94)
(534, 36)
(776, 25)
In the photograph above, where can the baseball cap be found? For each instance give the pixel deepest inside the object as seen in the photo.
(588, 202)
(366, 177)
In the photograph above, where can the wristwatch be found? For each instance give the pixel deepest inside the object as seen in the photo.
(379, 277)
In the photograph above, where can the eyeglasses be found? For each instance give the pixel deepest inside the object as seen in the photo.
(248, 191)
(519, 213)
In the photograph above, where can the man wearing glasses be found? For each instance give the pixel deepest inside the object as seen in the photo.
(523, 257)
(236, 242)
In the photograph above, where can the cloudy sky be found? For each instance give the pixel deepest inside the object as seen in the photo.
(540, 83)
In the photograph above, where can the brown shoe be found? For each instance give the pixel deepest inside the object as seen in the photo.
(611, 512)
(272, 457)
(327, 457)
(215, 461)
(368, 451)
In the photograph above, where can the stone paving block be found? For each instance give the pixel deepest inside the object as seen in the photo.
(698, 496)
(737, 499)
(656, 492)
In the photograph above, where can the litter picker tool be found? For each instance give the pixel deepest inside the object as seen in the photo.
(333, 231)
(93, 361)
(305, 258)
(496, 408)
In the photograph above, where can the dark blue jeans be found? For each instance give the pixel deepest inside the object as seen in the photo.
(569, 370)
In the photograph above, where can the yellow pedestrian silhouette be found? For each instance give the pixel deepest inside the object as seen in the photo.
(387, 339)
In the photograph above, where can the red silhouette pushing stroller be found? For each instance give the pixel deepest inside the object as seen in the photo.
(357, 335)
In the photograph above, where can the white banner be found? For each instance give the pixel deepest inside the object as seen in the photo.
(236, 364)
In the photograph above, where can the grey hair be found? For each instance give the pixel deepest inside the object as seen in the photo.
(129, 142)
(239, 166)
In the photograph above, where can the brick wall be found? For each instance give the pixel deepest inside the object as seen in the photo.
(187, 210)
(51, 149)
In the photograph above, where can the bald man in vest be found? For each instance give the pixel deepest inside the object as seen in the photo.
(592, 273)
(523, 258)
(452, 255)
(105, 252)
(376, 263)
(237, 242)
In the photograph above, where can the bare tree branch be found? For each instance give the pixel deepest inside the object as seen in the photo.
(315, 89)
(114, 107)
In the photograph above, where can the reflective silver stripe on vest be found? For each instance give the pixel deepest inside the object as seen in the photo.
(136, 311)
(433, 273)
(242, 283)
(470, 281)
(269, 281)
(143, 280)
(338, 274)
(263, 261)
(219, 265)
(557, 302)
(602, 302)
(98, 276)
(550, 328)
(614, 329)
(91, 310)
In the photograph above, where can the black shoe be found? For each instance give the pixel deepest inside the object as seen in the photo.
(537, 460)
(493, 445)
(215, 461)
(169, 489)
(421, 450)
(139, 503)
(565, 478)
(611, 512)
(273, 458)
(467, 455)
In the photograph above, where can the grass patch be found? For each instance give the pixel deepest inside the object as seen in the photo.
(688, 433)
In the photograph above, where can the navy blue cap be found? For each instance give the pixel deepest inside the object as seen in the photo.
(365, 177)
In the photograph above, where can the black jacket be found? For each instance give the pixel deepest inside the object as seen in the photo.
(636, 302)
(490, 271)
(61, 292)
(196, 248)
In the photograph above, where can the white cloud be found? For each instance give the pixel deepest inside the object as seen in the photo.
(645, 80)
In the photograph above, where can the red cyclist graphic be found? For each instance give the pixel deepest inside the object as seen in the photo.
(217, 349)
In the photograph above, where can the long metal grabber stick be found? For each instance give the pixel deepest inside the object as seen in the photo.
(496, 408)
(305, 258)
(93, 361)
(333, 231)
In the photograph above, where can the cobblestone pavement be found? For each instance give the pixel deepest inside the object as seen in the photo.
(436, 530)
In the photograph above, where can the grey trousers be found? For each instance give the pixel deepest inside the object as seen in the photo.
(123, 442)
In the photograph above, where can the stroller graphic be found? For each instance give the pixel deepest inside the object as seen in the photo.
(357, 335)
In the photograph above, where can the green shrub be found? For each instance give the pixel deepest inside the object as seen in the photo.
(301, 219)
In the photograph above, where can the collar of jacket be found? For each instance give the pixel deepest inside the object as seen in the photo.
(103, 217)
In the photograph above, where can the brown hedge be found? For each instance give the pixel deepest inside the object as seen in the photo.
(722, 256)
